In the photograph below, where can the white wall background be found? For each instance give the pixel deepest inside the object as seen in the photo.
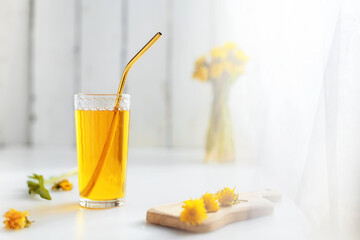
(50, 50)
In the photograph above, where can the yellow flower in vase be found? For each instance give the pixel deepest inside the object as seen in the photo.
(200, 61)
(216, 70)
(201, 73)
(229, 67)
(194, 212)
(240, 55)
(211, 204)
(230, 46)
(218, 53)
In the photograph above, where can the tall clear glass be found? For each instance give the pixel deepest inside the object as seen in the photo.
(102, 136)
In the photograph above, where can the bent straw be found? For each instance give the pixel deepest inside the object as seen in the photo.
(111, 134)
(134, 59)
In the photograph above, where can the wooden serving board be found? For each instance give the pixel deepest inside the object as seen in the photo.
(260, 203)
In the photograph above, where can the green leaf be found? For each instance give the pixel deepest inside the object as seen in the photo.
(44, 193)
(38, 188)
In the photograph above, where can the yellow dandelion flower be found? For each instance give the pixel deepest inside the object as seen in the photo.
(16, 219)
(201, 73)
(200, 61)
(64, 185)
(193, 212)
(227, 197)
(211, 205)
(219, 53)
(216, 70)
(229, 46)
(241, 56)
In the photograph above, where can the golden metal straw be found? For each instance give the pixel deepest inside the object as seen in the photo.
(135, 58)
(131, 63)
(111, 134)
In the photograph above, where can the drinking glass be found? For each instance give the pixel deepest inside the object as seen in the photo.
(102, 135)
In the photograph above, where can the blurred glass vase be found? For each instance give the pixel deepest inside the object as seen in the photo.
(220, 138)
(224, 67)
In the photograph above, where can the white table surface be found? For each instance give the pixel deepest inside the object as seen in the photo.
(155, 177)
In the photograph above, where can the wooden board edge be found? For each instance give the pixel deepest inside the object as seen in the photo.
(155, 217)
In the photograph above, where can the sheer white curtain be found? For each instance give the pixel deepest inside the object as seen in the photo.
(303, 125)
(330, 188)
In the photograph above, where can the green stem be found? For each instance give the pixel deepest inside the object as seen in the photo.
(56, 179)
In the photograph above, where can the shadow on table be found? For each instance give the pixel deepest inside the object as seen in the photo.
(56, 209)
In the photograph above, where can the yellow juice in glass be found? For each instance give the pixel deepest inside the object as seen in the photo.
(92, 129)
